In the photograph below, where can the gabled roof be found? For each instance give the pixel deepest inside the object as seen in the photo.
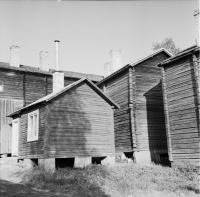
(30, 69)
(179, 55)
(135, 63)
(53, 95)
(151, 55)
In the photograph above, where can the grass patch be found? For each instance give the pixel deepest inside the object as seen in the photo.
(129, 180)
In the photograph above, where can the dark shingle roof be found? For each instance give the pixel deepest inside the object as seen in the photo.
(36, 70)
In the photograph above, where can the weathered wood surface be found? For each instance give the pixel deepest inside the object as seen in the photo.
(150, 119)
(7, 106)
(33, 149)
(118, 89)
(181, 80)
(81, 124)
(13, 86)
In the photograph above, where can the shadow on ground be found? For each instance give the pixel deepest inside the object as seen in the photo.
(8, 189)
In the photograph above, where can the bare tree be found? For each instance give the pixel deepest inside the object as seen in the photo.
(167, 43)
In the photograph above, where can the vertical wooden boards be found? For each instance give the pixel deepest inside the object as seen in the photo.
(197, 82)
(80, 124)
(112, 131)
(182, 102)
(32, 149)
(7, 106)
(131, 110)
(117, 88)
(150, 119)
(169, 146)
(47, 128)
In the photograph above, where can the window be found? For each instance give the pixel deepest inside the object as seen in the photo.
(33, 124)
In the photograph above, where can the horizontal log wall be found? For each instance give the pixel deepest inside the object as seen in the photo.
(33, 149)
(150, 119)
(26, 87)
(80, 124)
(182, 101)
(117, 88)
(35, 87)
(12, 84)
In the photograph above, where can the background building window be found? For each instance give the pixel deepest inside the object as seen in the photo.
(33, 125)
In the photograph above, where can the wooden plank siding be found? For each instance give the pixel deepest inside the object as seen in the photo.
(32, 149)
(150, 119)
(35, 87)
(12, 85)
(27, 87)
(118, 90)
(182, 93)
(80, 124)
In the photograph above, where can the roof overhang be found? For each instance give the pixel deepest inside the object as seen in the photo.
(181, 54)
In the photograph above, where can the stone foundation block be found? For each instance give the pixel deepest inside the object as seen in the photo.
(142, 157)
(28, 163)
(82, 162)
(48, 165)
(108, 161)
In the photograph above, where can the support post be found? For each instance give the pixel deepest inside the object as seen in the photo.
(197, 82)
(168, 133)
(131, 114)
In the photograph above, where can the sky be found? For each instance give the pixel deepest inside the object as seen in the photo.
(89, 30)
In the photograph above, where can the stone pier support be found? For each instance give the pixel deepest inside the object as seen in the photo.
(47, 164)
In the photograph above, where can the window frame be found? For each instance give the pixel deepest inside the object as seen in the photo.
(33, 126)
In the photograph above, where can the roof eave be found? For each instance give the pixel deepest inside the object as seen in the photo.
(114, 74)
(172, 59)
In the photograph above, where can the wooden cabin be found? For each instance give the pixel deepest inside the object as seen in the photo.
(181, 89)
(140, 122)
(22, 85)
(74, 122)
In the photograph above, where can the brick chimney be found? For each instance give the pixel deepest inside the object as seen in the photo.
(44, 60)
(15, 56)
(107, 69)
(116, 60)
(196, 15)
(58, 76)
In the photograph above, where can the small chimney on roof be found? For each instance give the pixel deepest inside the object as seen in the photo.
(58, 76)
(15, 56)
(107, 69)
(196, 15)
(44, 60)
(116, 59)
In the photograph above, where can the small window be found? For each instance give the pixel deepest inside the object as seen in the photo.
(33, 124)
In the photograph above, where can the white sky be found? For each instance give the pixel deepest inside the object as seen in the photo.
(88, 30)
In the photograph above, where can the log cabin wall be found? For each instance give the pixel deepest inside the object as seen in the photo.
(33, 149)
(80, 124)
(25, 85)
(182, 101)
(117, 88)
(150, 118)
